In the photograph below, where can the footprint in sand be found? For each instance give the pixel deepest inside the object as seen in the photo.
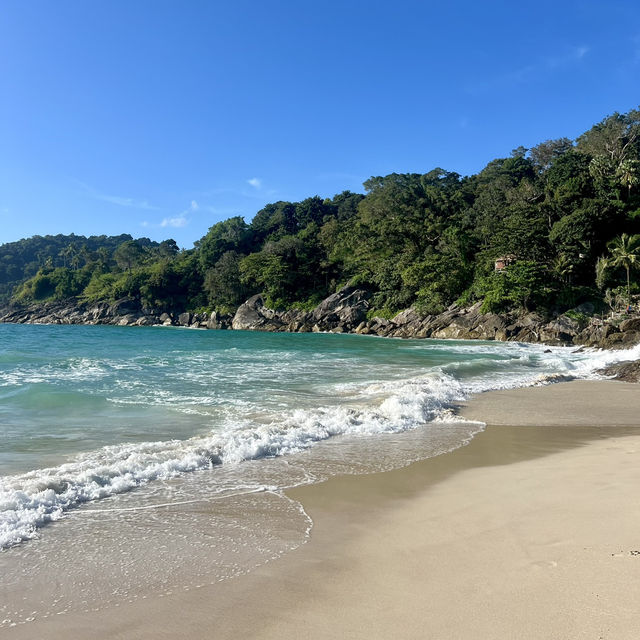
(545, 564)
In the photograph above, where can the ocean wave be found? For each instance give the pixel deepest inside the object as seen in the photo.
(30, 500)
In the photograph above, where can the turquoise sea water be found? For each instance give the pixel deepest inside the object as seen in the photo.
(115, 438)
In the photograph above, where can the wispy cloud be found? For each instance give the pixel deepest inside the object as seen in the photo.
(126, 202)
(550, 63)
(177, 222)
(545, 65)
(573, 55)
(223, 211)
(254, 193)
(256, 183)
(121, 201)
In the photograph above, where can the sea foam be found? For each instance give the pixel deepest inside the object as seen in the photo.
(30, 500)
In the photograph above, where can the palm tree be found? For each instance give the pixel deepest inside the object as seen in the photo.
(602, 265)
(625, 251)
(564, 268)
(629, 174)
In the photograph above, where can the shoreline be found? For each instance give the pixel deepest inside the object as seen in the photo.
(346, 311)
(528, 531)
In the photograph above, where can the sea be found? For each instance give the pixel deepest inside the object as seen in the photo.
(140, 461)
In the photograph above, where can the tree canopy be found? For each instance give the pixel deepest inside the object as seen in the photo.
(424, 239)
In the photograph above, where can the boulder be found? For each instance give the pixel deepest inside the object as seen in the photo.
(560, 331)
(127, 321)
(347, 307)
(199, 320)
(254, 316)
(630, 324)
(213, 322)
(613, 341)
(409, 324)
(184, 319)
(123, 307)
(488, 326)
(628, 371)
(98, 311)
(631, 337)
(408, 316)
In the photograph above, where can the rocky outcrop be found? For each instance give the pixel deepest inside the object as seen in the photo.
(628, 371)
(126, 312)
(253, 315)
(346, 312)
(342, 311)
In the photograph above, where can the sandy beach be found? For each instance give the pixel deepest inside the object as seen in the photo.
(530, 531)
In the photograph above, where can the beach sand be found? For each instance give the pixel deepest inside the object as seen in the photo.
(530, 531)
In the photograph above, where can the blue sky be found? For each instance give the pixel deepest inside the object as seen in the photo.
(159, 118)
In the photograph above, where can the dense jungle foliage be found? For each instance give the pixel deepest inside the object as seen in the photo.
(556, 214)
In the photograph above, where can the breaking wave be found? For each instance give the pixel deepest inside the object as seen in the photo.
(30, 500)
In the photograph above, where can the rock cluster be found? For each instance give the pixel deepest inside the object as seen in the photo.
(346, 312)
(125, 312)
(341, 312)
(628, 371)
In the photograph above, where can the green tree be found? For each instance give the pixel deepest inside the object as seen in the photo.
(521, 285)
(128, 254)
(617, 138)
(625, 252)
(629, 174)
(222, 282)
(544, 153)
(602, 266)
(228, 235)
(268, 273)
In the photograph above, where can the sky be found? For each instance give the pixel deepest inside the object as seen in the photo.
(160, 118)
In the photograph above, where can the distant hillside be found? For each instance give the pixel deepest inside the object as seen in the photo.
(546, 228)
(21, 260)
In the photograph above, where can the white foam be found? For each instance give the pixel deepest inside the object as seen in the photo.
(30, 500)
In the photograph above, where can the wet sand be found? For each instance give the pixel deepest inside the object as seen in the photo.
(530, 531)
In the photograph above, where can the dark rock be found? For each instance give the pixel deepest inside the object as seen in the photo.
(488, 326)
(586, 307)
(199, 320)
(254, 316)
(347, 307)
(98, 311)
(184, 319)
(612, 341)
(408, 316)
(628, 371)
(631, 337)
(630, 324)
(127, 321)
(123, 307)
(409, 324)
(213, 322)
(562, 330)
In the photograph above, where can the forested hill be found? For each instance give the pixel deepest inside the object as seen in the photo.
(24, 259)
(548, 227)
